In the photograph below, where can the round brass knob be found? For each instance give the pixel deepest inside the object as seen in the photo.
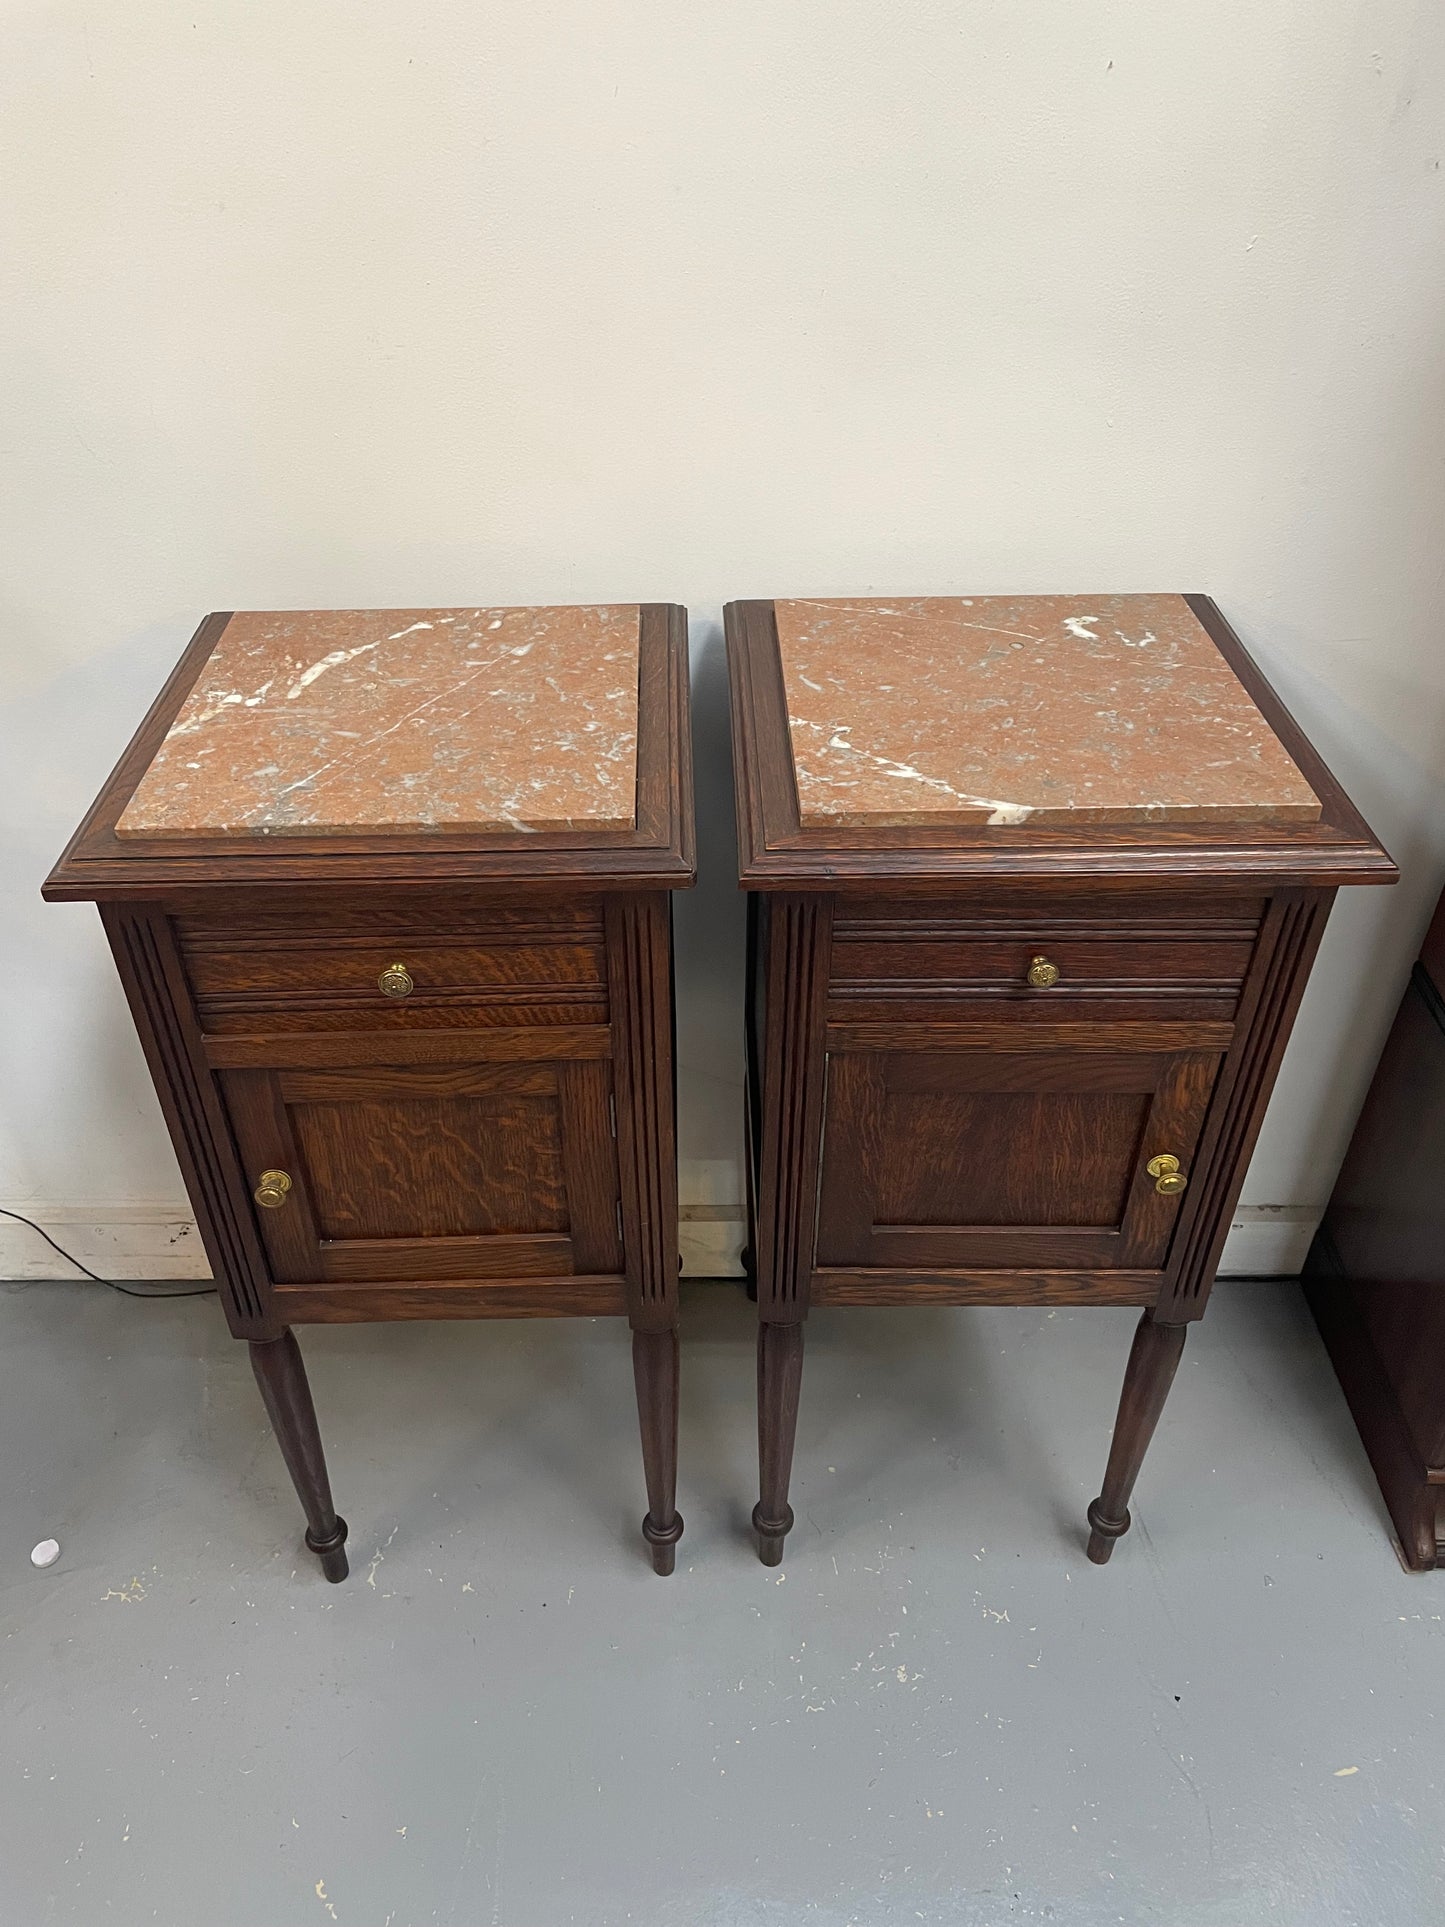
(1169, 1180)
(395, 981)
(272, 1190)
(1043, 975)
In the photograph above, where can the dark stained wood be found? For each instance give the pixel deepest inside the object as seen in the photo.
(1015, 913)
(926, 1126)
(974, 968)
(1153, 1360)
(1036, 1032)
(151, 973)
(968, 1160)
(654, 1368)
(1289, 938)
(475, 1045)
(798, 946)
(1375, 1277)
(938, 1285)
(309, 974)
(405, 1298)
(498, 1142)
(780, 1381)
(592, 1183)
(639, 950)
(287, 1397)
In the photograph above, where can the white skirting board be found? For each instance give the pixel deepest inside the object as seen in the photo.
(160, 1240)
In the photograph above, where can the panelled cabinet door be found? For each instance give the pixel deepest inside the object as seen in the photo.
(1033, 1159)
(488, 1170)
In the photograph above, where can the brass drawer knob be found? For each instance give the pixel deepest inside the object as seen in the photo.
(272, 1191)
(395, 981)
(1043, 975)
(1169, 1180)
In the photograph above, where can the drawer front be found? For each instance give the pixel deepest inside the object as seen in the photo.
(388, 971)
(893, 961)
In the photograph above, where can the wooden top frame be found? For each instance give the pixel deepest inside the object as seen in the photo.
(775, 851)
(656, 853)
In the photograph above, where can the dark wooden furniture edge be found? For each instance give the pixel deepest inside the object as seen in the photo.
(1413, 1491)
(658, 854)
(776, 853)
(601, 1295)
(875, 1285)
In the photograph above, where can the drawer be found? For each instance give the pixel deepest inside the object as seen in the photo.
(1168, 958)
(353, 971)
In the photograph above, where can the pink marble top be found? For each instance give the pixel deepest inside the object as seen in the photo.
(1013, 709)
(324, 721)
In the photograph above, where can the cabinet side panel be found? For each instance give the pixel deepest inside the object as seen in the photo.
(1288, 941)
(639, 971)
(799, 943)
(146, 956)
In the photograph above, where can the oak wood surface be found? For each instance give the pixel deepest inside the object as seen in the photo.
(991, 1285)
(411, 1044)
(406, 1298)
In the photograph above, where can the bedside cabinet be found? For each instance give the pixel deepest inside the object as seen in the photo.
(388, 895)
(1035, 885)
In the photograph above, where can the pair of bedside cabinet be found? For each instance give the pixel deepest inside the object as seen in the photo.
(1034, 888)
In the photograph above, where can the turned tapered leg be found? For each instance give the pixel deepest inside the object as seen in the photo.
(654, 1367)
(780, 1377)
(282, 1378)
(1153, 1360)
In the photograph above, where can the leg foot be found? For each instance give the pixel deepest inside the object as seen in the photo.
(1153, 1361)
(663, 1540)
(331, 1552)
(771, 1534)
(1104, 1532)
(282, 1379)
(654, 1370)
(780, 1377)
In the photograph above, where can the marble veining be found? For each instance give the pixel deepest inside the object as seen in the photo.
(325, 721)
(1024, 709)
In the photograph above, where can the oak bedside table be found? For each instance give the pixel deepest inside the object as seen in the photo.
(1036, 883)
(388, 894)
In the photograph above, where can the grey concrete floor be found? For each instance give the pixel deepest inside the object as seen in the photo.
(936, 1711)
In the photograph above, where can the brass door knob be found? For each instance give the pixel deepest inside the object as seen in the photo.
(272, 1190)
(1169, 1180)
(1043, 975)
(395, 981)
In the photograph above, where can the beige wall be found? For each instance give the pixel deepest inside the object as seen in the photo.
(375, 304)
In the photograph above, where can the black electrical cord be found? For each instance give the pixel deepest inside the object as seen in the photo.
(198, 1291)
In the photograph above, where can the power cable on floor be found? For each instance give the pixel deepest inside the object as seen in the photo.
(128, 1291)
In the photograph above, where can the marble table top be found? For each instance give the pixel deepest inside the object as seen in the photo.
(1014, 709)
(327, 721)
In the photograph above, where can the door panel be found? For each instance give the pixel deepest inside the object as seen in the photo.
(932, 1135)
(967, 1159)
(400, 1172)
(397, 1159)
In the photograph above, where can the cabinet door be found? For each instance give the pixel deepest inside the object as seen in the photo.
(1032, 1159)
(487, 1170)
